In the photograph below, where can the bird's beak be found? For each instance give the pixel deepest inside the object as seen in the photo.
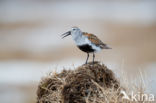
(66, 34)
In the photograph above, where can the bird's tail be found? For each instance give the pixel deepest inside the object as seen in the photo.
(106, 47)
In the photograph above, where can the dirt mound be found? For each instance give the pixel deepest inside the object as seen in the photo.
(86, 84)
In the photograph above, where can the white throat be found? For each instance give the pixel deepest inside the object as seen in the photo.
(79, 38)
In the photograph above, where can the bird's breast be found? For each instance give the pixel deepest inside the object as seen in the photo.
(86, 45)
(86, 48)
(82, 41)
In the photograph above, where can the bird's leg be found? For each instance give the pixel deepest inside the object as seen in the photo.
(93, 57)
(87, 58)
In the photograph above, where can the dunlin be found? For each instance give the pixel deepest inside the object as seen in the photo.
(86, 42)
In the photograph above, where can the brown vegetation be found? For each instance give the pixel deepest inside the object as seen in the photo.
(86, 84)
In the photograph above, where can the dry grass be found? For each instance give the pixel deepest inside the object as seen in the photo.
(86, 84)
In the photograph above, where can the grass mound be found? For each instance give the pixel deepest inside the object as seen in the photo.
(86, 84)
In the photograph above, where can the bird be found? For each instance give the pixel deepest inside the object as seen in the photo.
(86, 42)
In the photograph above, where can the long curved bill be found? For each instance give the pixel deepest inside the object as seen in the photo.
(66, 34)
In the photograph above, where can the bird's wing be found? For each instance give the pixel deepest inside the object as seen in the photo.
(95, 40)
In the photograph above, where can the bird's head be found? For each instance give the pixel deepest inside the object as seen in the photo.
(74, 31)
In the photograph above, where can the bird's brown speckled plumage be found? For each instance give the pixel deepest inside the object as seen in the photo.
(95, 40)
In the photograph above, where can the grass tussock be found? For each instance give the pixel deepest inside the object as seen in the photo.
(86, 84)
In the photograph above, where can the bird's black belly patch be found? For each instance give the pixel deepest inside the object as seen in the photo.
(86, 48)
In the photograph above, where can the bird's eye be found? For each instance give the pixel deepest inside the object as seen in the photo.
(74, 29)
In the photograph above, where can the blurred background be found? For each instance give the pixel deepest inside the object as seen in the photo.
(31, 46)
